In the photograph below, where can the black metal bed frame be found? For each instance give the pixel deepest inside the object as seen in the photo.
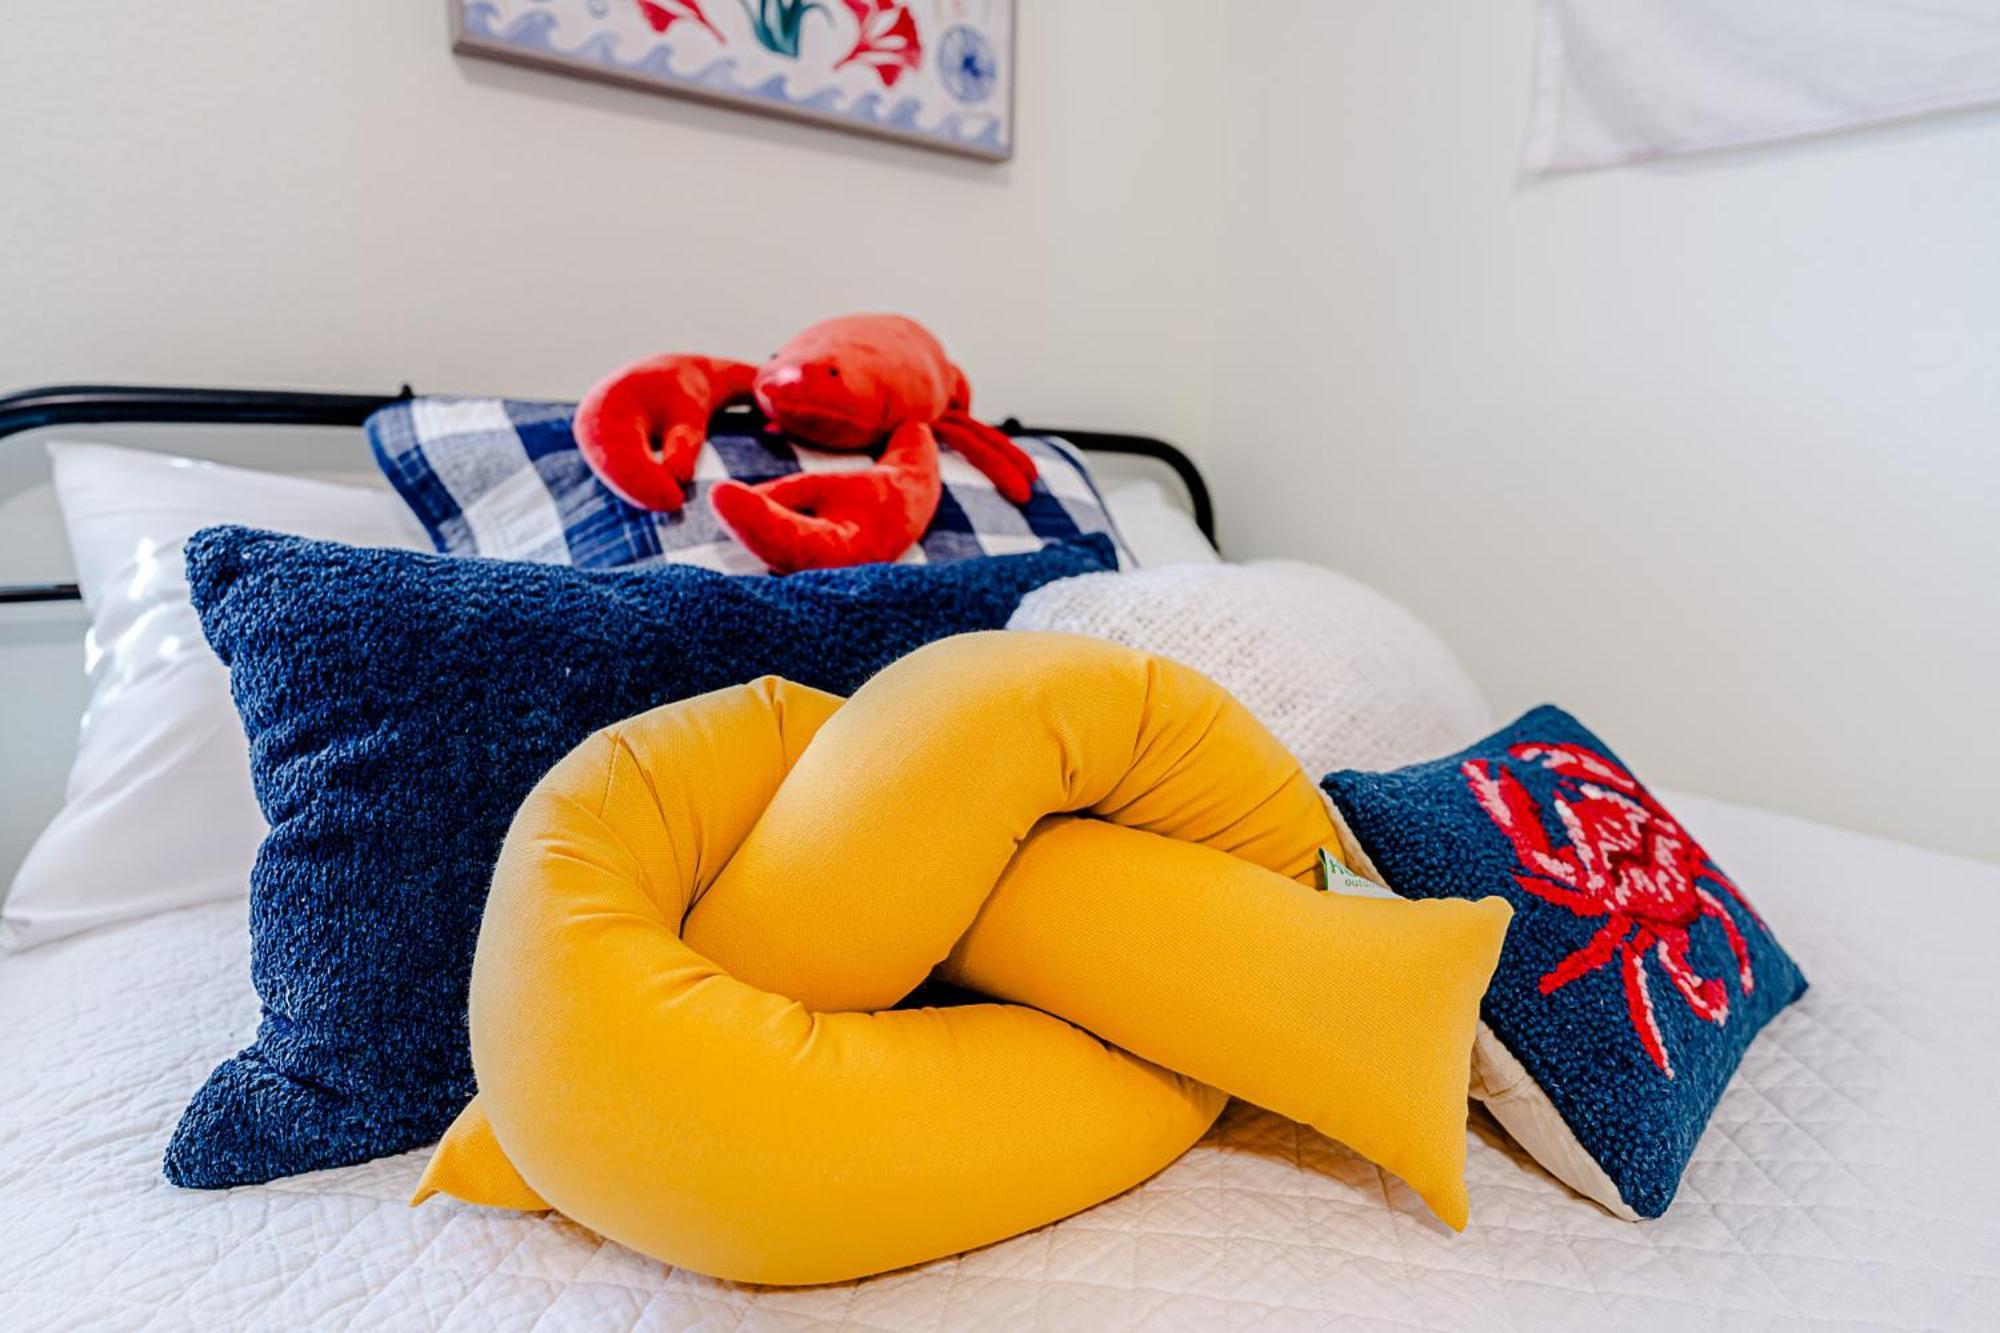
(101, 404)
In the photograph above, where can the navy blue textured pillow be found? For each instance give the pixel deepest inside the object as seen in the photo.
(399, 706)
(1635, 973)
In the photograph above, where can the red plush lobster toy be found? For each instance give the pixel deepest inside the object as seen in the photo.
(846, 384)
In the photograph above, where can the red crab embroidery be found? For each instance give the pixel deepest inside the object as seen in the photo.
(1628, 861)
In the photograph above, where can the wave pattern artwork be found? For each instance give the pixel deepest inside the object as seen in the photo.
(939, 73)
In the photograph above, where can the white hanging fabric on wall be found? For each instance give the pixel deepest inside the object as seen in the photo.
(1625, 80)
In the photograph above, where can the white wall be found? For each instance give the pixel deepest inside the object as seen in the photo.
(322, 195)
(1705, 451)
(1709, 452)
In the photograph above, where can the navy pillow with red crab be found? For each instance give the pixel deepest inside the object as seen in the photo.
(1635, 973)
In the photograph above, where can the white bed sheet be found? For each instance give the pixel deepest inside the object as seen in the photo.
(1849, 1176)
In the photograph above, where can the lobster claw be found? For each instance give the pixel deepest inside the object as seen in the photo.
(987, 448)
(819, 520)
(641, 427)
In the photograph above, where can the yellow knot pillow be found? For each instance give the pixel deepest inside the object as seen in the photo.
(680, 1005)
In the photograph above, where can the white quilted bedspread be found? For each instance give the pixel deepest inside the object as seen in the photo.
(1848, 1178)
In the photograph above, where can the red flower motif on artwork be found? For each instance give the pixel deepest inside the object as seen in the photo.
(663, 14)
(886, 39)
(1628, 861)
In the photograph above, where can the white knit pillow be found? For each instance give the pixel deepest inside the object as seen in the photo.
(1344, 676)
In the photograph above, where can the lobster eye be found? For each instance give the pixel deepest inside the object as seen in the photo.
(833, 371)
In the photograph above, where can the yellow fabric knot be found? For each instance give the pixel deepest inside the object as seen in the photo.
(681, 1003)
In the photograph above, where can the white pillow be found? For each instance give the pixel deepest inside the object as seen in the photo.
(1155, 529)
(158, 812)
(1344, 676)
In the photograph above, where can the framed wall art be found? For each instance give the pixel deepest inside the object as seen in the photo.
(938, 73)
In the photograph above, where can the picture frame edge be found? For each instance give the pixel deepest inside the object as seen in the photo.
(464, 43)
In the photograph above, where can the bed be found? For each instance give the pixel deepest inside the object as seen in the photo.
(1847, 1177)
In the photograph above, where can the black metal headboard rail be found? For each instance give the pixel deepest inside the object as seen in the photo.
(101, 404)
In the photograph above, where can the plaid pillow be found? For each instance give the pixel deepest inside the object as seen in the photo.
(502, 477)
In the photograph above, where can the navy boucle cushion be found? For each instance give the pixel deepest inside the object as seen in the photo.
(399, 706)
(1635, 973)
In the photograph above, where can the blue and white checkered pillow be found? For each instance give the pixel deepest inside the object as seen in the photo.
(502, 477)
